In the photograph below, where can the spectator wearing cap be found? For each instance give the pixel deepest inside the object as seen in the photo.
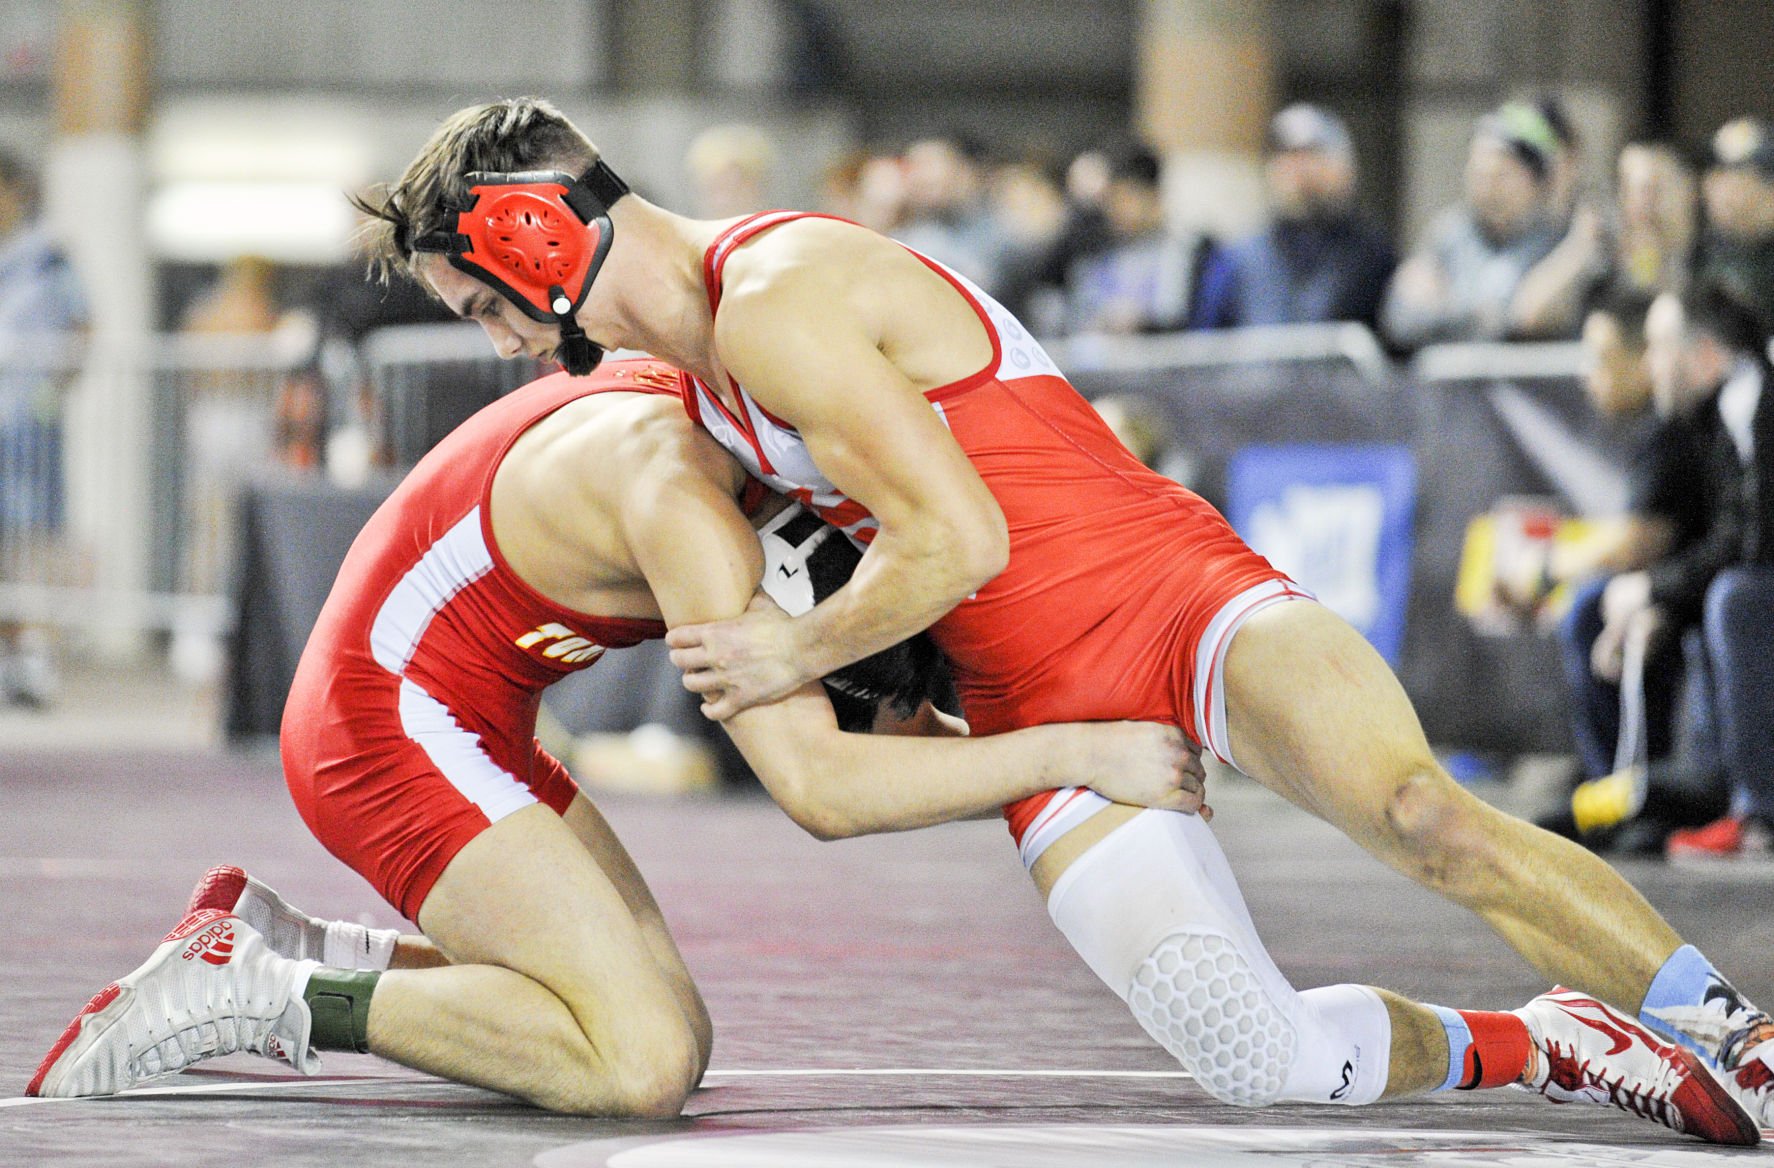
(1461, 281)
(1645, 242)
(1319, 259)
(1143, 276)
(1738, 193)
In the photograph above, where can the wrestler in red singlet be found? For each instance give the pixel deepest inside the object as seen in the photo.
(1123, 588)
(411, 723)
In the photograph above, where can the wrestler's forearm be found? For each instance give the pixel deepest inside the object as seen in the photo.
(837, 785)
(905, 583)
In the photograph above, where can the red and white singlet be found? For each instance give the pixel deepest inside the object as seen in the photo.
(411, 723)
(1123, 589)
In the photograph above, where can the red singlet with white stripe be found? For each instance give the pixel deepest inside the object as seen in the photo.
(1123, 588)
(411, 723)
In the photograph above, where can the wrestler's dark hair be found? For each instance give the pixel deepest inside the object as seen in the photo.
(901, 678)
(515, 134)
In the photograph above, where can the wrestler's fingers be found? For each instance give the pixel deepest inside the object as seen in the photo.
(691, 658)
(702, 682)
(684, 636)
(721, 708)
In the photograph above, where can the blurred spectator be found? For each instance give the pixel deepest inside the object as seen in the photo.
(1459, 284)
(1707, 354)
(1319, 260)
(1737, 634)
(1648, 246)
(41, 308)
(730, 170)
(244, 301)
(947, 215)
(1665, 513)
(241, 299)
(1031, 209)
(1659, 218)
(1143, 278)
(1565, 176)
(1738, 191)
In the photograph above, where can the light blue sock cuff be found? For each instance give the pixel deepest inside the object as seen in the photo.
(1459, 1041)
(1682, 982)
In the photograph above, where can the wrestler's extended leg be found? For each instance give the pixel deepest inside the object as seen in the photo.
(1314, 713)
(557, 993)
(1148, 900)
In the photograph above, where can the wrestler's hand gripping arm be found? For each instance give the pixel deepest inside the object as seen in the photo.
(702, 561)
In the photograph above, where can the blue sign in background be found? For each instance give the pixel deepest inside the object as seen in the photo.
(1337, 518)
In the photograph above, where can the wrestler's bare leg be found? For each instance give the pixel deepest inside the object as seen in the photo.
(416, 951)
(1316, 715)
(557, 992)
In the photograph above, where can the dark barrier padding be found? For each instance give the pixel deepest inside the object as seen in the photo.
(294, 533)
(1212, 413)
(1476, 443)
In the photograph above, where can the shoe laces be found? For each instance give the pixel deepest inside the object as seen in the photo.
(224, 1031)
(1648, 1099)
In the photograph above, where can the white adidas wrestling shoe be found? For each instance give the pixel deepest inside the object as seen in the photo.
(1587, 1052)
(287, 929)
(212, 987)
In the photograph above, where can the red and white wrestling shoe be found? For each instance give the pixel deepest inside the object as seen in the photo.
(1587, 1052)
(287, 929)
(212, 987)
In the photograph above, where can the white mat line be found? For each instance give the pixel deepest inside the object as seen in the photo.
(210, 1088)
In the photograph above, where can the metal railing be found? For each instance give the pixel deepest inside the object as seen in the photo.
(118, 466)
(121, 463)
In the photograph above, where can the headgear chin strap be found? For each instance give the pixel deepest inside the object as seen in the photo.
(538, 238)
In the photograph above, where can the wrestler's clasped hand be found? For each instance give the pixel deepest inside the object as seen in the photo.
(1145, 764)
(736, 664)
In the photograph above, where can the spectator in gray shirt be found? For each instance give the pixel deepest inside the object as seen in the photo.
(1460, 282)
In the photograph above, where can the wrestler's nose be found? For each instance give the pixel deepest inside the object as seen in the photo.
(505, 342)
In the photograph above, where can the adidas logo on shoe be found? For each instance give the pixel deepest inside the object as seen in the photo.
(214, 939)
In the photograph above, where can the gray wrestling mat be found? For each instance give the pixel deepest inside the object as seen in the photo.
(878, 1003)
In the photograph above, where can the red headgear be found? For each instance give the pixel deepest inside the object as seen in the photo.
(538, 238)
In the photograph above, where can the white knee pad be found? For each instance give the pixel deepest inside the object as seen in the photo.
(1155, 912)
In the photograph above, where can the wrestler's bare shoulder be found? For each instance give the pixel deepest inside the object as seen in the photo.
(558, 497)
(815, 260)
(831, 276)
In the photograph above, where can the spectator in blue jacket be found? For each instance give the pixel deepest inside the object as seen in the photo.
(1319, 259)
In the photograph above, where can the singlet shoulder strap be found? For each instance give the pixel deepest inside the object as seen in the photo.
(714, 260)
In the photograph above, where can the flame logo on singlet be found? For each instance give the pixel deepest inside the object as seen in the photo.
(563, 644)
